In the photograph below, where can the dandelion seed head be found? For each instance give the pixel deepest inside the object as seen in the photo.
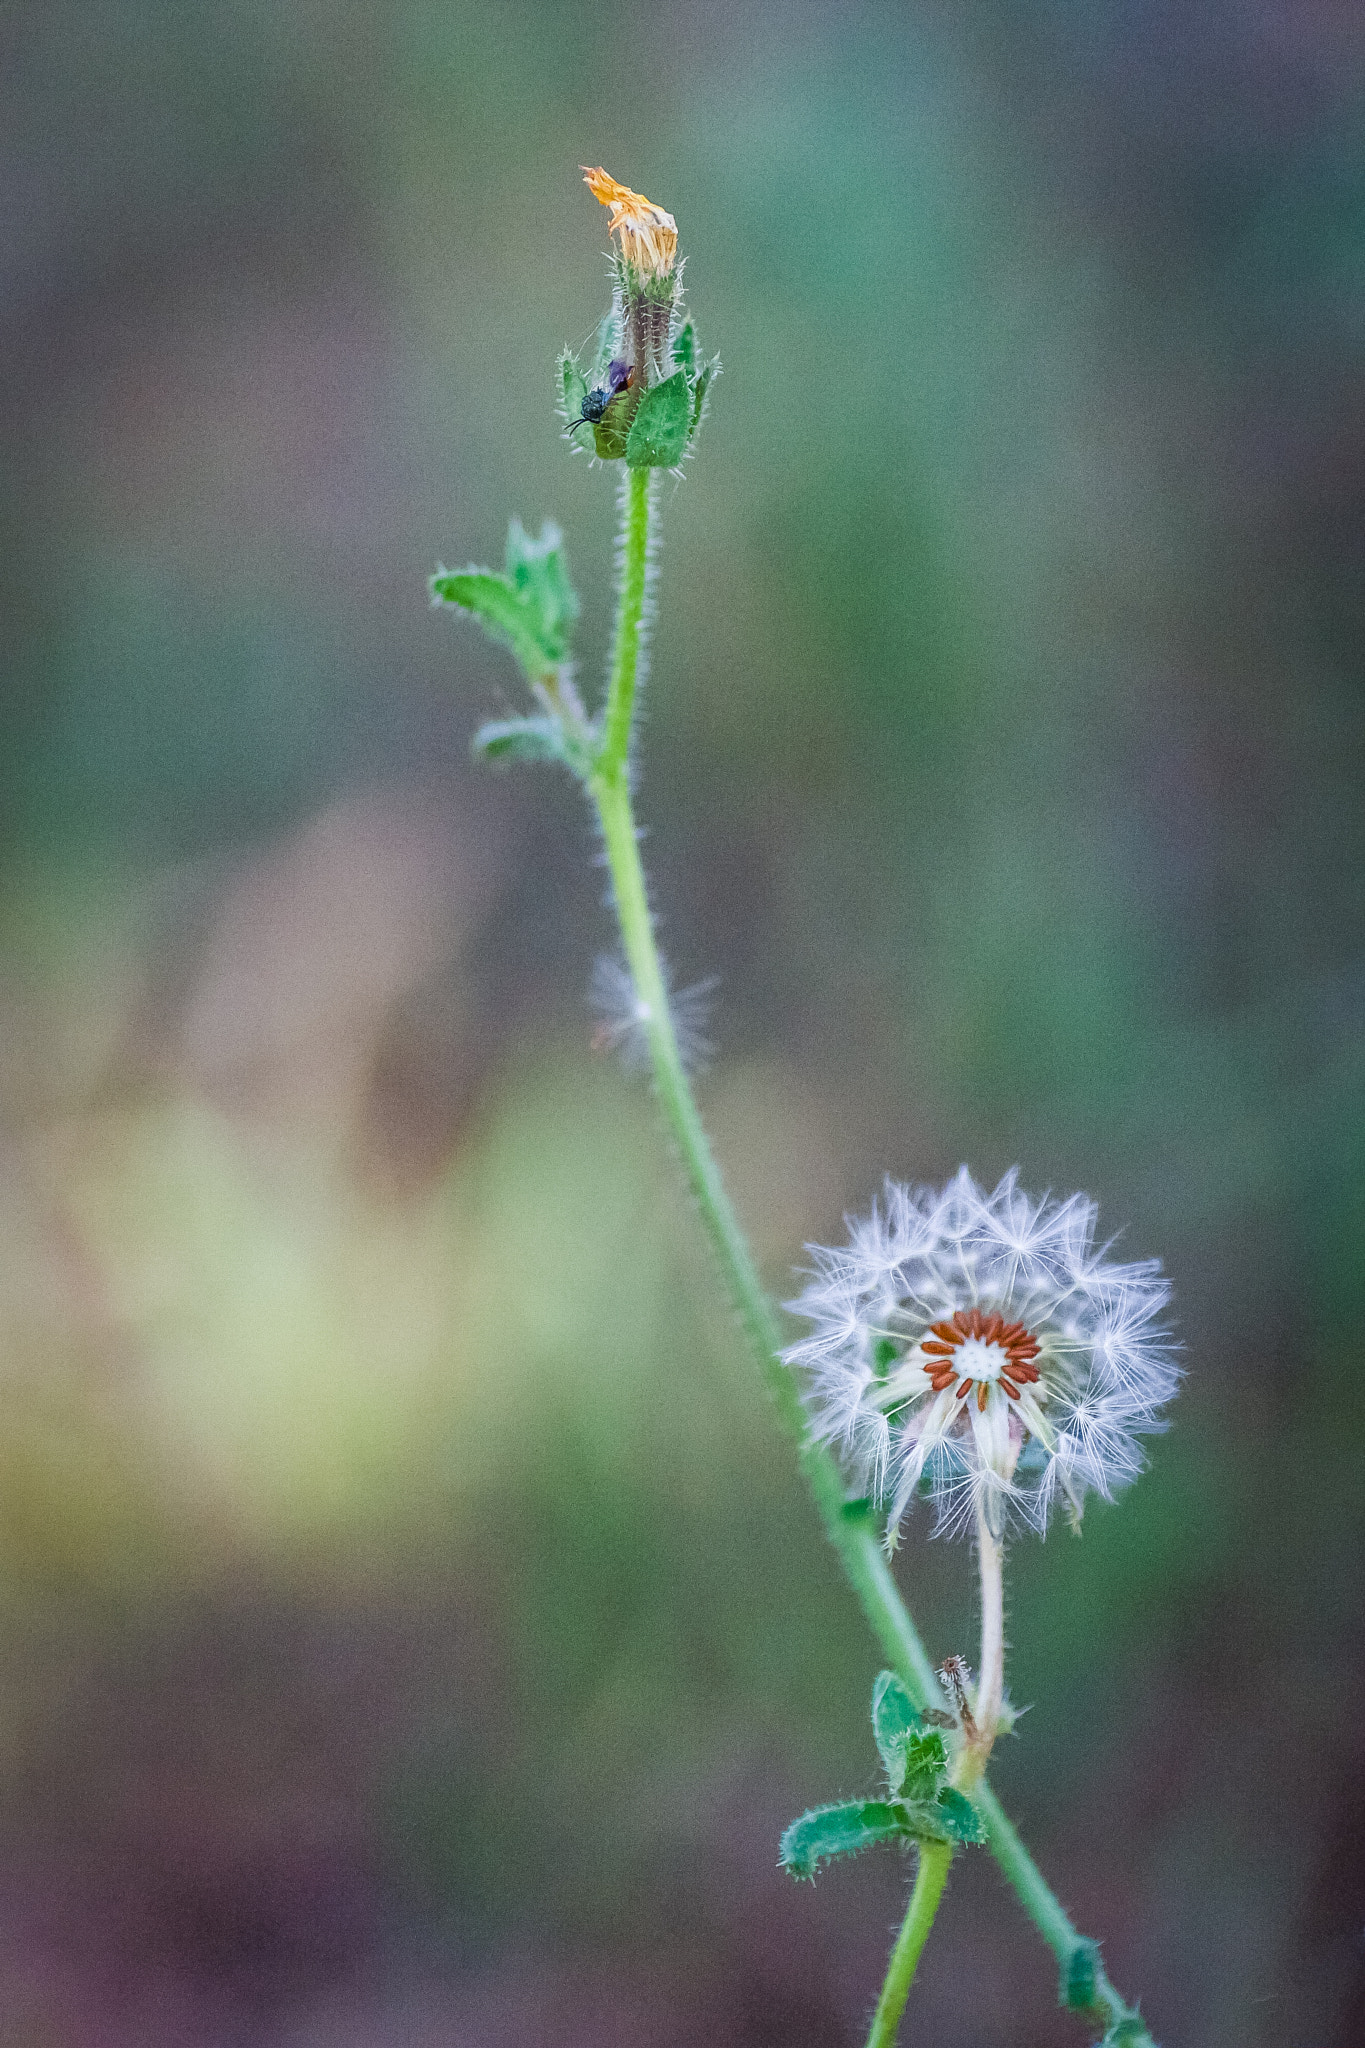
(983, 1349)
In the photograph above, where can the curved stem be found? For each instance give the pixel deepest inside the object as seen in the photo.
(848, 1524)
(930, 1878)
(1052, 1920)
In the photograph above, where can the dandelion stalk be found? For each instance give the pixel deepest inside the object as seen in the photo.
(990, 1687)
(849, 1525)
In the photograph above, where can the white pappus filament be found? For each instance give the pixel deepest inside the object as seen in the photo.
(981, 1348)
(624, 1016)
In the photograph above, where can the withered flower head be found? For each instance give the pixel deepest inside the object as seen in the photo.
(649, 236)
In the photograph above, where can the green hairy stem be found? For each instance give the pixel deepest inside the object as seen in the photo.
(930, 1878)
(630, 619)
(849, 1525)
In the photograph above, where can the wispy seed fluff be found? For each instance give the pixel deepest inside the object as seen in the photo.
(979, 1347)
(623, 1015)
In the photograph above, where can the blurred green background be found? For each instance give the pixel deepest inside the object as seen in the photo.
(411, 1627)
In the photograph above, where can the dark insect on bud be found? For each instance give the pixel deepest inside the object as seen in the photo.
(620, 377)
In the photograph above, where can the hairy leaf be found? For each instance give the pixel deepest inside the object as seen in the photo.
(959, 1816)
(922, 1821)
(895, 1721)
(495, 603)
(540, 575)
(521, 739)
(685, 347)
(926, 1761)
(949, 1818)
(607, 345)
(573, 387)
(829, 1831)
(1078, 1976)
(530, 608)
(658, 433)
(701, 387)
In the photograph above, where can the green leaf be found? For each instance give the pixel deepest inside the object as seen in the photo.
(498, 607)
(949, 1818)
(521, 739)
(829, 1831)
(530, 609)
(540, 575)
(607, 345)
(926, 1761)
(895, 1720)
(658, 433)
(701, 387)
(960, 1817)
(922, 1821)
(1077, 1992)
(573, 386)
(685, 347)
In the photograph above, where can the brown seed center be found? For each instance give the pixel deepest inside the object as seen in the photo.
(941, 1346)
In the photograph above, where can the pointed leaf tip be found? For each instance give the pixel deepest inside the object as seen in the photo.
(706, 376)
(494, 602)
(573, 387)
(529, 608)
(539, 573)
(895, 1720)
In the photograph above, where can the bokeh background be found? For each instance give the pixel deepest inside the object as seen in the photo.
(411, 1628)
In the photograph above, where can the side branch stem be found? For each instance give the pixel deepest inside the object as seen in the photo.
(930, 1878)
(849, 1524)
